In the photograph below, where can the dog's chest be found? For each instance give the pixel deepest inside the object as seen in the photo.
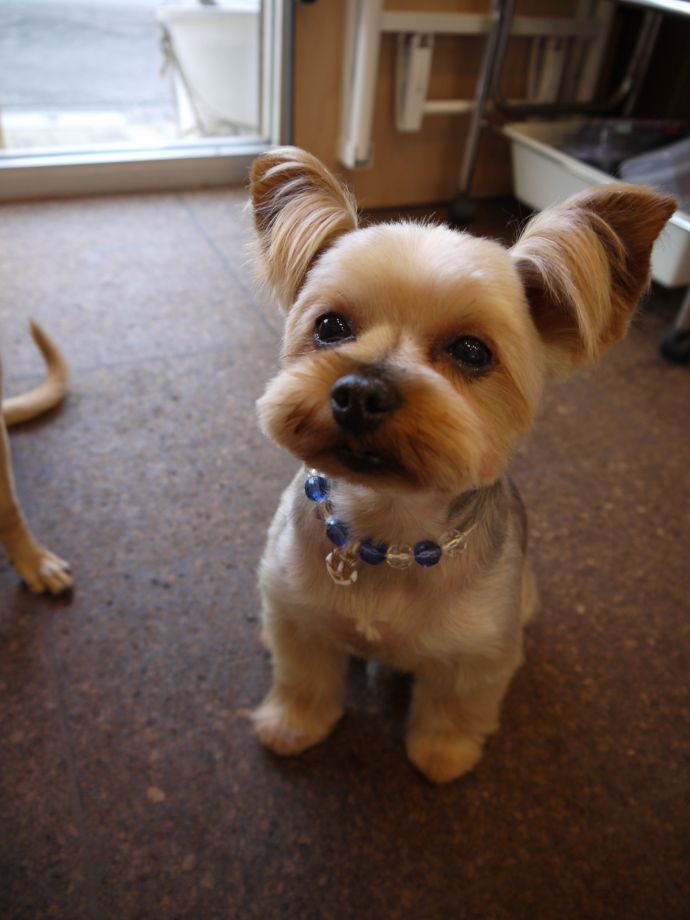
(366, 639)
(388, 616)
(398, 616)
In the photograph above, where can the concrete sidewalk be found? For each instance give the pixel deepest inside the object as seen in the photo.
(59, 54)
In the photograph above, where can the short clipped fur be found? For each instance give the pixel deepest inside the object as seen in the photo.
(555, 301)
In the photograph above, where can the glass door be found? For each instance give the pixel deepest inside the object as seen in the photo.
(105, 95)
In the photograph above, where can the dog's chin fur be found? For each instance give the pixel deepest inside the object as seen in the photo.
(555, 301)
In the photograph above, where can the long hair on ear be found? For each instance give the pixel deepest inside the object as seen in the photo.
(584, 266)
(300, 209)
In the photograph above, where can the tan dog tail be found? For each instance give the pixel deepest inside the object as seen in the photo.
(47, 394)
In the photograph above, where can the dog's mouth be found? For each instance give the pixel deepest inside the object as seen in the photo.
(364, 461)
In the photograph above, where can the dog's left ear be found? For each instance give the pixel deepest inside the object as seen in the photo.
(300, 209)
(584, 266)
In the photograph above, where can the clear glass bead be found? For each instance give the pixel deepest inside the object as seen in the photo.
(399, 556)
(454, 542)
(324, 511)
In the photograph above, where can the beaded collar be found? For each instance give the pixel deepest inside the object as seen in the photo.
(342, 562)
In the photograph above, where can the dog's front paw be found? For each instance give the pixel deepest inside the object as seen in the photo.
(288, 726)
(43, 571)
(442, 758)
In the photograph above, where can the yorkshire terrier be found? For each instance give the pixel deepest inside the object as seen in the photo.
(413, 359)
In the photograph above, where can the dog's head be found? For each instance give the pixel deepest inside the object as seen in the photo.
(415, 354)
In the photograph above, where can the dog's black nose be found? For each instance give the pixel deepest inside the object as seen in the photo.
(360, 402)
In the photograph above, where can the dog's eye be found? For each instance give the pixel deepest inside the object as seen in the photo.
(332, 328)
(470, 353)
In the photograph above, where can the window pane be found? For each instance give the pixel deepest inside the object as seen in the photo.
(126, 73)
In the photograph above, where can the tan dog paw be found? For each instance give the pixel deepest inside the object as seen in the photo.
(43, 571)
(442, 758)
(288, 727)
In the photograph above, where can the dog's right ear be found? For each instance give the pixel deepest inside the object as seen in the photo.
(300, 209)
(585, 264)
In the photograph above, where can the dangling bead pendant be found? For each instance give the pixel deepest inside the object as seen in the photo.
(341, 565)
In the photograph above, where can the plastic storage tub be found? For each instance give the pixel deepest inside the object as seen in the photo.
(667, 168)
(214, 53)
(544, 176)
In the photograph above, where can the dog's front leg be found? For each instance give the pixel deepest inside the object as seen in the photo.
(306, 699)
(37, 566)
(449, 723)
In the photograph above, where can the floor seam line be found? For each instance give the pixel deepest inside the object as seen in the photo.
(229, 267)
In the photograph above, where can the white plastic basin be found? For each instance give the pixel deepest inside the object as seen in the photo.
(215, 65)
(543, 176)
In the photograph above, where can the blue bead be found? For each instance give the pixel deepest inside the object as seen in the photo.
(427, 553)
(336, 531)
(316, 488)
(373, 553)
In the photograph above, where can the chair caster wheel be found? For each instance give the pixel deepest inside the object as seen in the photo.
(675, 345)
(461, 211)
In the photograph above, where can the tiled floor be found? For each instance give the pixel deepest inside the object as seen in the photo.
(130, 785)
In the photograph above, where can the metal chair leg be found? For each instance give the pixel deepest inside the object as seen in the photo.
(462, 209)
(675, 345)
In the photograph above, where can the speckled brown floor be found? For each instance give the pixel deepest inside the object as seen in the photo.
(130, 785)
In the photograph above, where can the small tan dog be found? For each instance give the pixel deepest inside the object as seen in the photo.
(39, 568)
(414, 357)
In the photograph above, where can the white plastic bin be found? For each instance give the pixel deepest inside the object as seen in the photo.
(667, 168)
(214, 54)
(543, 176)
